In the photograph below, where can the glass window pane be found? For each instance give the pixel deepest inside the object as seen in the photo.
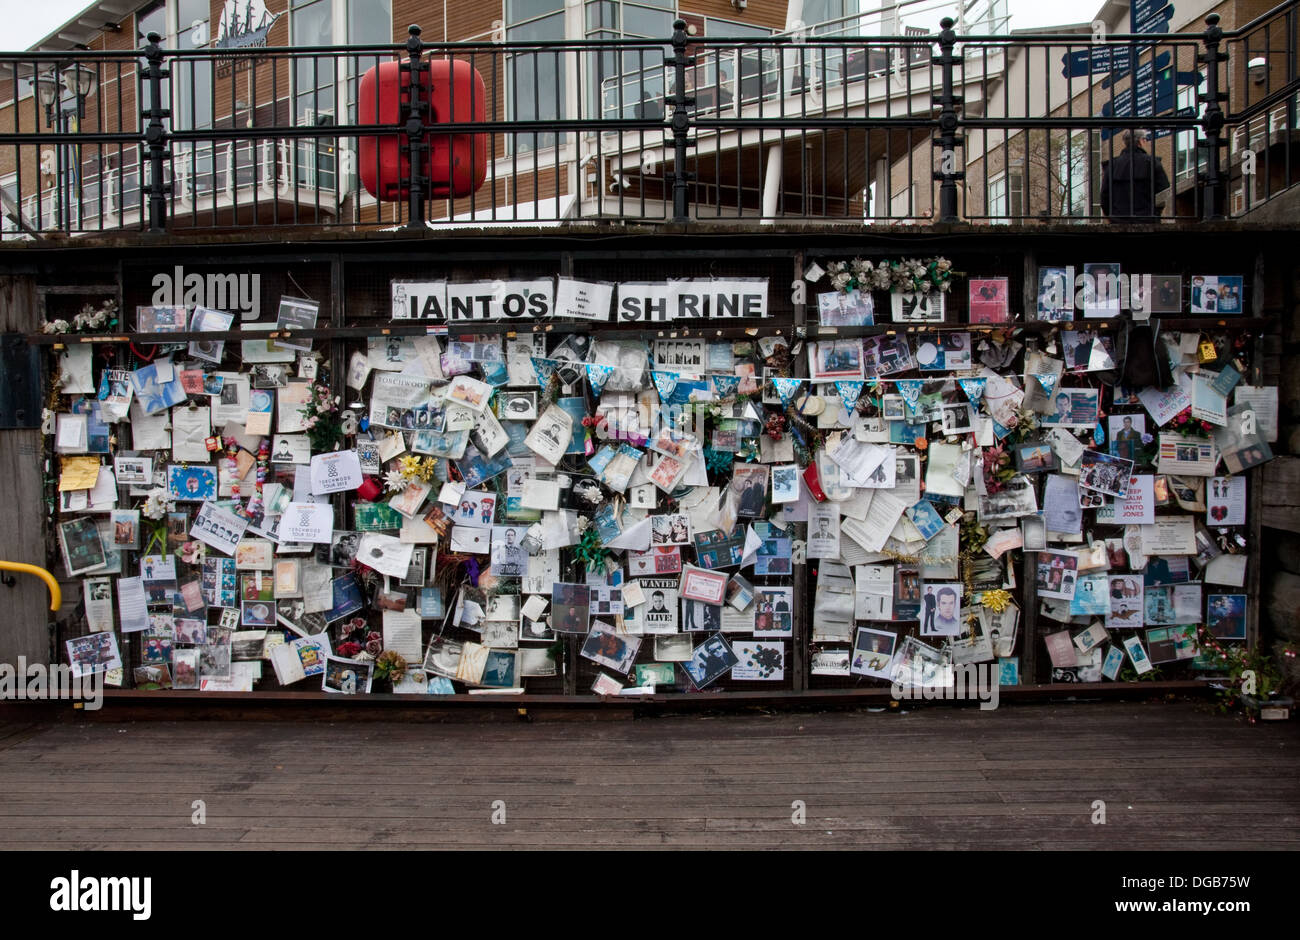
(519, 10)
(652, 24)
(602, 13)
(313, 25)
(370, 21)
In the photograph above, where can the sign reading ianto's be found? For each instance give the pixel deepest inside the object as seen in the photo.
(653, 302)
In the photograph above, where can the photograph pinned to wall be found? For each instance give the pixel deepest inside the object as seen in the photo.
(957, 419)
(833, 360)
(1216, 294)
(1055, 294)
(1037, 457)
(709, 661)
(570, 604)
(471, 393)
(785, 484)
(941, 609)
(749, 490)
(886, 355)
(916, 307)
(700, 584)
(1101, 289)
(988, 300)
(1103, 473)
(1125, 434)
(700, 616)
(688, 354)
(1225, 616)
(500, 670)
(346, 676)
(95, 653)
(1161, 293)
(606, 647)
(1055, 574)
(846, 308)
(717, 549)
(673, 529)
(774, 611)
(517, 405)
(873, 653)
(1073, 408)
(83, 550)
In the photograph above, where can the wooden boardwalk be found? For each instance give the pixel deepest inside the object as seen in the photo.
(1173, 776)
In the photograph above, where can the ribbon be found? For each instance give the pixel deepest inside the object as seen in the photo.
(849, 393)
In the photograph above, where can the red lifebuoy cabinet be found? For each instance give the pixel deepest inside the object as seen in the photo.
(457, 163)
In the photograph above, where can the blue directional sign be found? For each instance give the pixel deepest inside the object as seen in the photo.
(1144, 70)
(1101, 60)
(1150, 16)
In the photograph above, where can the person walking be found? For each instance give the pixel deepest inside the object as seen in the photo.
(1130, 181)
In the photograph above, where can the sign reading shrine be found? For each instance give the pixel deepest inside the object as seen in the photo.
(653, 302)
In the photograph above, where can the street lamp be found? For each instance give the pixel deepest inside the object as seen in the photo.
(64, 96)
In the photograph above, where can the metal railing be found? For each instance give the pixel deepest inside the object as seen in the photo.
(794, 127)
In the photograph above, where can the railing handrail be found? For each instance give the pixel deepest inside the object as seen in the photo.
(805, 65)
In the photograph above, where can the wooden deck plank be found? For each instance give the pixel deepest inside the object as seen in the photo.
(1172, 775)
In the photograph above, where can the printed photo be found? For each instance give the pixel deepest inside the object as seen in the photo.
(873, 652)
(1103, 473)
(773, 613)
(846, 308)
(709, 660)
(1225, 616)
(941, 609)
(570, 607)
(1073, 408)
(831, 360)
(606, 647)
(672, 529)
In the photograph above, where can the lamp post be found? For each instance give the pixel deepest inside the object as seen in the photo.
(64, 94)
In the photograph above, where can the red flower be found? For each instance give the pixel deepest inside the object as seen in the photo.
(348, 650)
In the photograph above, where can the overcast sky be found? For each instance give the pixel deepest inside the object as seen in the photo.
(26, 22)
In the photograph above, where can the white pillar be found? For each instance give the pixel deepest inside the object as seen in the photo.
(772, 179)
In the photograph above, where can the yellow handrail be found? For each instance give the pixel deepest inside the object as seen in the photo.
(56, 593)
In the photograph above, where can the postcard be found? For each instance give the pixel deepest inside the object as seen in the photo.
(604, 646)
(710, 660)
(1186, 455)
(1073, 408)
(1226, 501)
(1169, 535)
(832, 360)
(773, 612)
(1225, 615)
(916, 307)
(1056, 573)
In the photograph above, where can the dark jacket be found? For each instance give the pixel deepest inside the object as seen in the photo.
(1127, 190)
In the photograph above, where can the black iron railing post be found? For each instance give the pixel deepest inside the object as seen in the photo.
(948, 140)
(1213, 120)
(155, 134)
(416, 113)
(681, 124)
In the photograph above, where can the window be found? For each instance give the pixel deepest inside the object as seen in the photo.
(1004, 197)
(535, 86)
(633, 87)
(1188, 159)
(1078, 174)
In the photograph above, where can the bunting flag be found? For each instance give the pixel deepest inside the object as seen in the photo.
(724, 386)
(910, 389)
(849, 393)
(598, 375)
(544, 369)
(786, 388)
(665, 384)
(1047, 380)
(974, 389)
